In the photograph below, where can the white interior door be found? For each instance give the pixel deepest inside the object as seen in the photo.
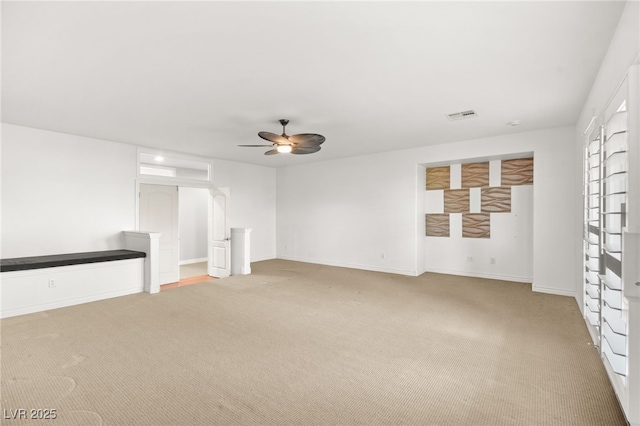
(159, 213)
(219, 264)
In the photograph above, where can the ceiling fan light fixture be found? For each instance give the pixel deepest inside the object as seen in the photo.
(303, 143)
(283, 149)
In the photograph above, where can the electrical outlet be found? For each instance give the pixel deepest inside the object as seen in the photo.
(470, 259)
(52, 282)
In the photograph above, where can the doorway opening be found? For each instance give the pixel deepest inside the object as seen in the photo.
(204, 231)
(192, 230)
(164, 179)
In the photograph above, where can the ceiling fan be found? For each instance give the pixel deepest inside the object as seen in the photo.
(303, 143)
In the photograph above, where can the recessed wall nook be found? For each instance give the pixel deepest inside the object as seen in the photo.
(478, 198)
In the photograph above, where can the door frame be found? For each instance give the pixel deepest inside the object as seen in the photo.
(211, 189)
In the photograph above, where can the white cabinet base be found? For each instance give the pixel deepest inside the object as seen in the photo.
(35, 290)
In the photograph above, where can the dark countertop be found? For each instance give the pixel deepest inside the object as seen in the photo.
(39, 262)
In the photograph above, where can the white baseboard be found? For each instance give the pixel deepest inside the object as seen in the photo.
(550, 290)
(263, 258)
(513, 278)
(481, 275)
(348, 265)
(190, 261)
(6, 313)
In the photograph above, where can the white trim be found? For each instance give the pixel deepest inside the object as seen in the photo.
(633, 147)
(169, 180)
(148, 242)
(589, 126)
(348, 265)
(191, 261)
(616, 382)
(188, 184)
(551, 290)
(418, 273)
(513, 278)
(166, 181)
(68, 302)
(593, 333)
(262, 259)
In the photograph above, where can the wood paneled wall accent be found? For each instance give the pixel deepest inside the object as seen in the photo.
(517, 172)
(437, 225)
(495, 200)
(476, 225)
(475, 175)
(456, 200)
(438, 177)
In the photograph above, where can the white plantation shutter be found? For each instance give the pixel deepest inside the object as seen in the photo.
(592, 232)
(612, 241)
(613, 213)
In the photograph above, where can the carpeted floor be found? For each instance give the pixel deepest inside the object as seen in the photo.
(297, 343)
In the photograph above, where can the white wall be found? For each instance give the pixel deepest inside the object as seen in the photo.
(355, 212)
(510, 245)
(553, 203)
(352, 211)
(192, 214)
(63, 193)
(624, 51)
(253, 194)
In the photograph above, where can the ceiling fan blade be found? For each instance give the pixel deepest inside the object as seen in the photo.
(254, 146)
(271, 152)
(305, 149)
(307, 139)
(272, 137)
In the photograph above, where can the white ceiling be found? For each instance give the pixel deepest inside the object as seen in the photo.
(203, 77)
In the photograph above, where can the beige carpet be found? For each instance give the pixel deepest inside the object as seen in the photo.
(296, 343)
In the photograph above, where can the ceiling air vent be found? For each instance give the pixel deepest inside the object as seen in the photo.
(462, 115)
